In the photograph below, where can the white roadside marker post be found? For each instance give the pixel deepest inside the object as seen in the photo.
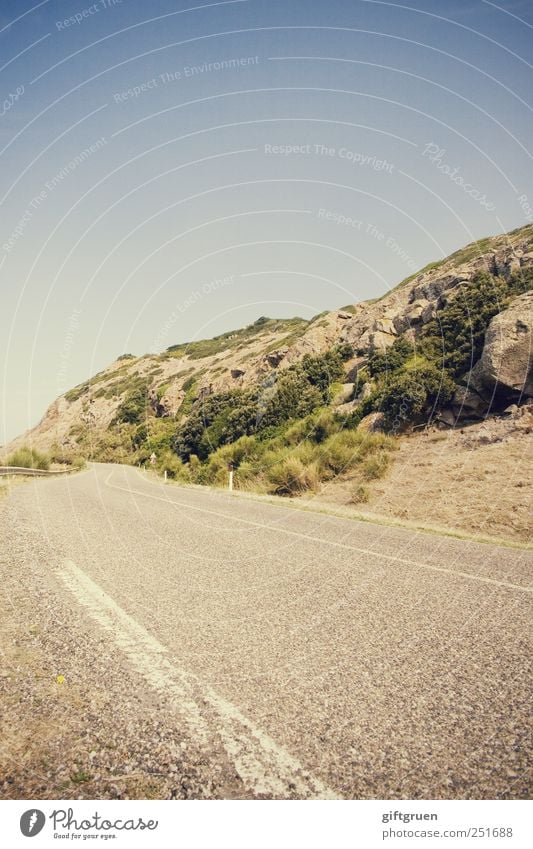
(165, 474)
(230, 482)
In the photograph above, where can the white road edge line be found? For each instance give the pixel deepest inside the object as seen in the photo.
(264, 766)
(309, 538)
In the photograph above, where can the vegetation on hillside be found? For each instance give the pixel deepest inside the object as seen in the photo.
(236, 338)
(284, 436)
(28, 458)
(410, 384)
(464, 255)
(296, 456)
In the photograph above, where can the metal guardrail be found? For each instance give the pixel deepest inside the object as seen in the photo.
(21, 470)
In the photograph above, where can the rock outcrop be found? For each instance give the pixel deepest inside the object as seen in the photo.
(506, 364)
(250, 357)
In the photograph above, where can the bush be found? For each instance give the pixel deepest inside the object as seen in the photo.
(298, 431)
(194, 466)
(345, 351)
(359, 495)
(134, 407)
(391, 359)
(376, 466)
(238, 453)
(246, 476)
(291, 476)
(404, 396)
(324, 424)
(215, 420)
(323, 370)
(28, 458)
(222, 418)
(521, 281)
(67, 456)
(112, 446)
(294, 397)
(457, 334)
(167, 461)
(340, 453)
(362, 377)
(229, 426)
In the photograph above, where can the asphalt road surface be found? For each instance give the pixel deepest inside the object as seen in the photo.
(319, 656)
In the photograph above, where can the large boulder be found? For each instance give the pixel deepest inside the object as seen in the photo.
(433, 287)
(467, 403)
(384, 325)
(344, 394)
(379, 341)
(373, 423)
(275, 357)
(506, 364)
(419, 312)
(526, 260)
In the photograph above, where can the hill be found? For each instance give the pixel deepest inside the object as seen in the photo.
(300, 405)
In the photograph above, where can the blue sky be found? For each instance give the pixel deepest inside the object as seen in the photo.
(200, 164)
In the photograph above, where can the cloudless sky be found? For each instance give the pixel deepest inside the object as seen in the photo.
(169, 171)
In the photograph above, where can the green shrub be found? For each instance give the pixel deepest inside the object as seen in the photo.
(229, 426)
(162, 389)
(73, 394)
(245, 449)
(159, 434)
(391, 359)
(194, 466)
(520, 281)
(345, 351)
(28, 458)
(339, 453)
(457, 333)
(135, 406)
(373, 443)
(323, 370)
(298, 431)
(359, 495)
(362, 377)
(375, 466)
(167, 461)
(291, 476)
(112, 446)
(403, 398)
(323, 424)
(215, 420)
(246, 476)
(294, 397)
(67, 456)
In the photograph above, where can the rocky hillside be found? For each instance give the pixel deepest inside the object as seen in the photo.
(451, 343)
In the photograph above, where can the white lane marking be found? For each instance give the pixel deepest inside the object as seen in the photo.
(404, 561)
(264, 766)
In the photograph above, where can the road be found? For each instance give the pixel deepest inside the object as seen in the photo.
(314, 655)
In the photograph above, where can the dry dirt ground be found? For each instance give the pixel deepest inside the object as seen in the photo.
(474, 480)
